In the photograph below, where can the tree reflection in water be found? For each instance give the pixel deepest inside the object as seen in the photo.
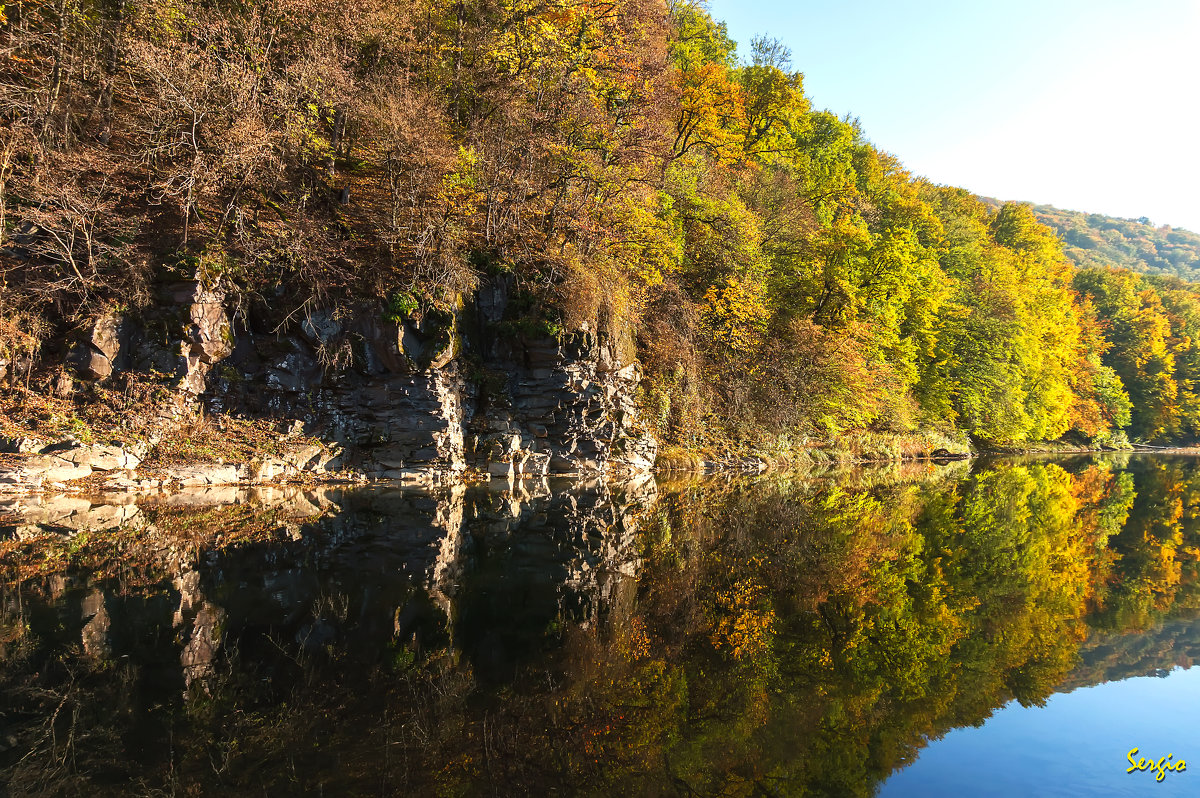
(769, 636)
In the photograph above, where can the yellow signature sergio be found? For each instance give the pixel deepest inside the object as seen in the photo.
(1159, 767)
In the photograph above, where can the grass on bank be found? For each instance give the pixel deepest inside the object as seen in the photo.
(137, 412)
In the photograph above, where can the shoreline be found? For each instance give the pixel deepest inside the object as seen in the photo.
(70, 466)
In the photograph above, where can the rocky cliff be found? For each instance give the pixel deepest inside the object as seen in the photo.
(388, 394)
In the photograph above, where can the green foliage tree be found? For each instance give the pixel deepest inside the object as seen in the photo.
(785, 279)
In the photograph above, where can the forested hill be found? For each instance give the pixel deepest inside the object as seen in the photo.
(1094, 240)
(620, 163)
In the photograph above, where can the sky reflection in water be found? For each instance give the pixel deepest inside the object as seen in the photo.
(1075, 745)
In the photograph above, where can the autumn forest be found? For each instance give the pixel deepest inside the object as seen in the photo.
(631, 169)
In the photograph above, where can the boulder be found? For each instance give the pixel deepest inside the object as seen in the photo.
(267, 469)
(320, 328)
(501, 470)
(37, 470)
(332, 460)
(96, 356)
(300, 457)
(211, 335)
(196, 334)
(535, 464)
(200, 475)
(99, 457)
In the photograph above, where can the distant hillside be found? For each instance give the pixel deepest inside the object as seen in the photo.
(1092, 239)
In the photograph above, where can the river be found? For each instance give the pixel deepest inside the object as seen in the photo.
(1004, 627)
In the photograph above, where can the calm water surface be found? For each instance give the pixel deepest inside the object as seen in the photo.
(1008, 628)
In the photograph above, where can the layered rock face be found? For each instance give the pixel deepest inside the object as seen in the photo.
(410, 397)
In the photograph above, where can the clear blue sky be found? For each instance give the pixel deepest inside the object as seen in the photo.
(1088, 105)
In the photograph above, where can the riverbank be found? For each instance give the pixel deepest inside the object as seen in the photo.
(129, 436)
(1058, 447)
(70, 465)
(854, 448)
(95, 526)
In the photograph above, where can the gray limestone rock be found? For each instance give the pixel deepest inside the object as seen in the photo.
(501, 470)
(98, 354)
(403, 398)
(40, 469)
(100, 457)
(199, 475)
(267, 469)
(206, 336)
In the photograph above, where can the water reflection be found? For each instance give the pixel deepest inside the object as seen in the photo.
(778, 635)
